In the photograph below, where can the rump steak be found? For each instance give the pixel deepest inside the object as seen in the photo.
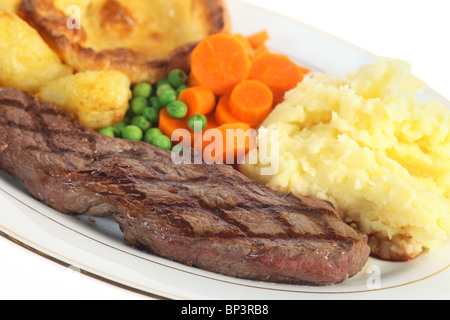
(208, 216)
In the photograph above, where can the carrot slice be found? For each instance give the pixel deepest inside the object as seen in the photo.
(259, 50)
(191, 82)
(226, 144)
(278, 72)
(248, 47)
(199, 100)
(304, 70)
(211, 121)
(169, 125)
(223, 113)
(258, 39)
(251, 102)
(238, 141)
(219, 62)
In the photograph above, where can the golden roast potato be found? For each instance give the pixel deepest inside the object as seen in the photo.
(142, 39)
(96, 98)
(26, 61)
(9, 5)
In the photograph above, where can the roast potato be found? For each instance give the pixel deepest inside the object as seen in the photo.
(96, 98)
(9, 5)
(143, 39)
(26, 61)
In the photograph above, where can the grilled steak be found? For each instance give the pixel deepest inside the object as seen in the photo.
(208, 216)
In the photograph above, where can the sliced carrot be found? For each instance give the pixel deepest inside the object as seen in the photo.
(258, 39)
(238, 141)
(262, 48)
(251, 102)
(223, 113)
(219, 62)
(199, 100)
(278, 72)
(191, 82)
(304, 70)
(211, 121)
(248, 47)
(226, 144)
(169, 125)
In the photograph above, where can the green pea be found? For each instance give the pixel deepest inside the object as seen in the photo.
(115, 130)
(177, 109)
(151, 114)
(141, 122)
(177, 77)
(119, 127)
(162, 82)
(133, 133)
(154, 103)
(138, 105)
(163, 88)
(107, 132)
(197, 122)
(143, 90)
(151, 134)
(162, 142)
(167, 96)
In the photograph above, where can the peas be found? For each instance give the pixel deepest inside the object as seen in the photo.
(163, 87)
(197, 122)
(107, 132)
(115, 130)
(138, 105)
(143, 90)
(141, 122)
(154, 103)
(162, 82)
(151, 114)
(162, 142)
(133, 133)
(177, 109)
(151, 134)
(177, 78)
(167, 96)
(119, 128)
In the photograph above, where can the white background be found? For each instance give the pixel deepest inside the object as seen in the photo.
(413, 30)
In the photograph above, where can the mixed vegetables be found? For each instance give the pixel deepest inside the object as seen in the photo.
(142, 119)
(234, 83)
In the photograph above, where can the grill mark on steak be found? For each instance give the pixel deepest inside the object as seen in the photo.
(222, 212)
(38, 127)
(209, 216)
(53, 148)
(244, 231)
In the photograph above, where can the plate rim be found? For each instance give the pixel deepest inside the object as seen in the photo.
(109, 278)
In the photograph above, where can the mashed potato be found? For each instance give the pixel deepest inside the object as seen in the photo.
(369, 145)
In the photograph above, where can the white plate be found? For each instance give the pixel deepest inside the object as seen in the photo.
(95, 246)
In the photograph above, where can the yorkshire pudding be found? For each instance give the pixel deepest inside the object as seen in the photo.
(143, 39)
